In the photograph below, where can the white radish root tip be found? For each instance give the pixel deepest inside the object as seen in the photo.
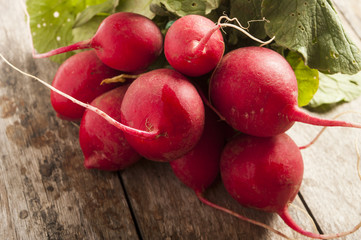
(242, 29)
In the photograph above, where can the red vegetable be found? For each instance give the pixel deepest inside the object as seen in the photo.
(125, 41)
(80, 76)
(255, 90)
(104, 146)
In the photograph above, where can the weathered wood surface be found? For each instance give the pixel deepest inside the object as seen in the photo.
(45, 193)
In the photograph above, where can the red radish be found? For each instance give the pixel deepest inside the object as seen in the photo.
(200, 167)
(163, 100)
(193, 45)
(149, 134)
(266, 174)
(255, 90)
(125, 41)
(80, 76)
(103, 145)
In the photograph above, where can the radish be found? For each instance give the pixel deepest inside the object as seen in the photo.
(149, 134)
(199, 168)
(104, 146)
(266, 173)
(255, 90)
(163, 100)
(124, 41)
(194, 45)
(162, 114)
(80, 76)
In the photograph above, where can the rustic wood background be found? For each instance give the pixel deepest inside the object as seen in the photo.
(46, 193)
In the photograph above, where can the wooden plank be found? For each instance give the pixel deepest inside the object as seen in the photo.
(45, 192)
(332, 188)
(164, 208)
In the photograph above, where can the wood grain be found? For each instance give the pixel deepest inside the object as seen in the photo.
(46, 193)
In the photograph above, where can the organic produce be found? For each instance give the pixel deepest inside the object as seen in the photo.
(80, 76)
(104, 146)
(266, 174)
(255, 90)
(163, 100)
(125, 41)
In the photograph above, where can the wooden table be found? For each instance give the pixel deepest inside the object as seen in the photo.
(46, 193)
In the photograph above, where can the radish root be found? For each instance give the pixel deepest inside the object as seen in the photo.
(127, 129)
(243, 218)
(242, 29)
(358, 159)
(306, 213)
(324, 128)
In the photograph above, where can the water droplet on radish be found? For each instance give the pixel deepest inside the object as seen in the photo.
(44, 24)
(38, 25)
(58, 38)
(56, 14)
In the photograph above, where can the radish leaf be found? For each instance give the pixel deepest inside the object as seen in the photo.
(312, 28)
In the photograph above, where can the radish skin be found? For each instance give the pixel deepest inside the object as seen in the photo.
(80, 76)
(163, 100)
(193, 45)
(255, 90)
(124, 41)
(266, 173)
(104, 146)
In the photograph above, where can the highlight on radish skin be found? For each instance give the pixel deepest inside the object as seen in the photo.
(255, 90)
(104, 146)
(166, 101)
(150, 134)
(124, 41)
(266, 173)
(80, 76)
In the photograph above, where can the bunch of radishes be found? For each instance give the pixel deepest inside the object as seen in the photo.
(162, 116)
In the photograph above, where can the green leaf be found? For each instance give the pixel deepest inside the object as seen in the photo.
(336, 88)
(137, 6)
(312, 28)
(186, 7)
(51, 24)
(307, 78)
(91, 11)
(88, 29)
